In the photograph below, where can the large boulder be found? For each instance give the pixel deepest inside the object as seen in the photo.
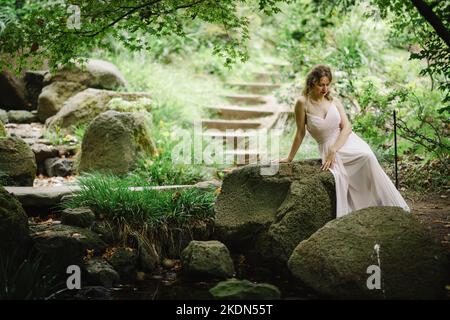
(234, 289)
(341, 260)
(13, 94)
(17, 162)
(53, 96)
(208, 259)
(115, 133)
(13, 223)
(93, 74)
(84, 106)
(266, 216)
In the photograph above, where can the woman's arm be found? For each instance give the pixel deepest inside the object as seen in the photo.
(301, 131)
(346, 128)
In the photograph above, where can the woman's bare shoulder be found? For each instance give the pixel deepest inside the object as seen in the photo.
(301, 99)
(300, 102)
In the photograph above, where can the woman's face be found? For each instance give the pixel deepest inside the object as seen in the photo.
(321, 88)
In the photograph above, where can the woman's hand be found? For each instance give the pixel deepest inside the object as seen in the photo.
(331, 158)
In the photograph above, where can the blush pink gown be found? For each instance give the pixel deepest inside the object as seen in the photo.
(360, 180)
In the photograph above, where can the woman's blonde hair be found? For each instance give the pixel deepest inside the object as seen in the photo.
(314, 76)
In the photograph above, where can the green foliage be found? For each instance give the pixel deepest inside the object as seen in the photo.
(58, 136)
(60, 31)
(114, 198)
(177, 93)
(410, 28)
(26, 277)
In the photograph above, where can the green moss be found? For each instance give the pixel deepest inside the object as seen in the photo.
(13, 222)
(2, 130)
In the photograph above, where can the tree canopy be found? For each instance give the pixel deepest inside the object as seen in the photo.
(63, 30)
(60, 31)
(422, 22)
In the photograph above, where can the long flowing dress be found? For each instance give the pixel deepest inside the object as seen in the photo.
(360, 180)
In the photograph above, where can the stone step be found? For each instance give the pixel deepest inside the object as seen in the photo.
(239, 112)
(255, 87)
(246, 99)
(277, 66)
(230, 134)
(235, 138)
(230, 124)
(244, 156)
(267, 76)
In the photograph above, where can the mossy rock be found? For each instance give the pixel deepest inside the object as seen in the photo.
(17, 162)
(207, 259)
(14, 232)
(84, 106)
(266, 216)
(234, 289)
(115, 133)
(334, 261)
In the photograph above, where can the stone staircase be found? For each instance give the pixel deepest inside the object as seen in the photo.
(252, 110)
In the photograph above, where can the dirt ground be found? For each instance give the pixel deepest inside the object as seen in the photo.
(433, 210)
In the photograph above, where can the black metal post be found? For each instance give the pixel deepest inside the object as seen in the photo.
(395, 149)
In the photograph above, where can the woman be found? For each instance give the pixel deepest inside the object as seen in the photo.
(360, 180)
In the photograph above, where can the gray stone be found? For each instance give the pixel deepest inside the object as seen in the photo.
(234, 289)
(334, 261)
(101, 273)
(207, 259)
(17, 162)
(116, 133)
(53, 97)
(21, 116)
(58, 167)
(78, 217)
(94, 74)
(42, 196)
(33, 131)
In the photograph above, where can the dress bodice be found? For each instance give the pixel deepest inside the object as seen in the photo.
(324, 129)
